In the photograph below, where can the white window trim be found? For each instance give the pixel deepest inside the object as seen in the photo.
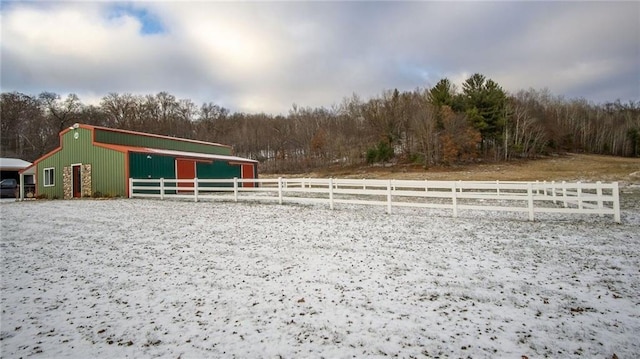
(44, 174)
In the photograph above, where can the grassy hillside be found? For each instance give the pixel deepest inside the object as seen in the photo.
(570, 167)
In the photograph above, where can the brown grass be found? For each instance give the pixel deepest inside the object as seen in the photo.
(570, 167)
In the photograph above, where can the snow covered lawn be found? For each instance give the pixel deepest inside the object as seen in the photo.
(146, 278)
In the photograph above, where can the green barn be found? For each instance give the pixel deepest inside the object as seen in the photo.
(94, 160)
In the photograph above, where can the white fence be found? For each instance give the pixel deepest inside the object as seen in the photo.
(528, 197)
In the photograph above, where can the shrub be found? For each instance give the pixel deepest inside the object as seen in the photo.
(416, 158)
(372, 155)
(383, 152)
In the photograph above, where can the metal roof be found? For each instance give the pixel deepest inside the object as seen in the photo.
(13, 164)
(195, 155)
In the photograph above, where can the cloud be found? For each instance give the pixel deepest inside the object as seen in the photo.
(569, 49)
(149, 23)
(74, 47)
(263, 57)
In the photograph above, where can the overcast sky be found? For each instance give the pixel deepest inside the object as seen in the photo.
(265, 56)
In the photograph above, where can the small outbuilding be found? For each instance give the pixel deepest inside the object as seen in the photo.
(13, 183)
(98, 161)
(10, 168)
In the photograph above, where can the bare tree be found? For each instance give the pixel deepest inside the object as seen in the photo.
(120, 110)
(18, 112)
(60, 113)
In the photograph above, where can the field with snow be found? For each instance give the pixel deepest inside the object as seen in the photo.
(147, 278)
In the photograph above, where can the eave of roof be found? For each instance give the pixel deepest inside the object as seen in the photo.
(197, 155)
(13, 164)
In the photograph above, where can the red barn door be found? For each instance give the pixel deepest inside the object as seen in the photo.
(247, 172)
(185, 169)
(76, 181)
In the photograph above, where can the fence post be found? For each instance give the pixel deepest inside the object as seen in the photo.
(579, 195)
(426, 185)
(130, 187)
(195, 189)
(235, 189)
(454, 199)
(616, 202)
(599, 194)
(21, 190)
(498, 188)
(537, 187)
(553, 191)
(331, 193)
(279, 190)
(564, 193)
(389, 197)
(530, 195)
(161, 188)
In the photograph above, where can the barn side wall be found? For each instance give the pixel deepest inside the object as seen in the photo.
(217, 169)
(107, 174)
(144, 165)
(154, 166)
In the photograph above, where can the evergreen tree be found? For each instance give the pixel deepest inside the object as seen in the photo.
(485, 106)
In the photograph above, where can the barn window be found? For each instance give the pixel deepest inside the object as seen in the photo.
(49, 177)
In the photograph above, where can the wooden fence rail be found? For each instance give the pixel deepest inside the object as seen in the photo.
(529, 197)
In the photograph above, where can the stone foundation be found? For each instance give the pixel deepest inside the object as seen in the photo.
(85, 177)
(86, 180)
(67, 184)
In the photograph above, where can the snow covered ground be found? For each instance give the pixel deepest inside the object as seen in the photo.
(147, 278)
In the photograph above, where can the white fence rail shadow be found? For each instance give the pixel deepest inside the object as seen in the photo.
(528, 197)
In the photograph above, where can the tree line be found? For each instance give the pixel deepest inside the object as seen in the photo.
(434, 126)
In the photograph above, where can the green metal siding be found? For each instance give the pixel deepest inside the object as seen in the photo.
(107, 166)
(153, 166)
(216, 170)
(145, 165)
(129, 139)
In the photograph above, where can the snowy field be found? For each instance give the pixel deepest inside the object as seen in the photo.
(147, 278)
